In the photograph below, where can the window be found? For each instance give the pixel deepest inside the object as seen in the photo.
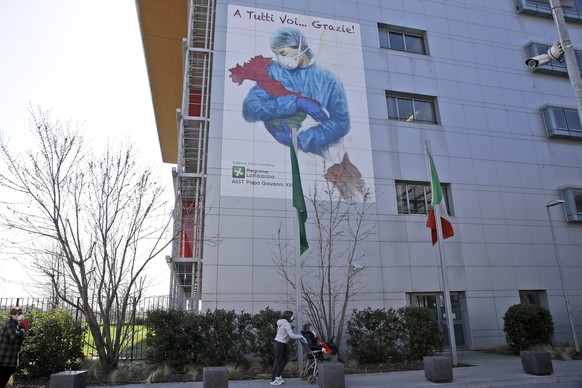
(536, 297)
(415, 197)
(535, 4)
(572, 9)
(409, 107)
(185, 274)
(402, 39)
(573, 198)
(562, 122)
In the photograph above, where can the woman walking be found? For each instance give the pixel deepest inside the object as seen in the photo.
(284, 333)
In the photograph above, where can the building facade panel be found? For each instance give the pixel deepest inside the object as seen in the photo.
(447, 72)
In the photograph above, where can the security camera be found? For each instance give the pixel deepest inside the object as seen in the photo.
(537, 61)
(554, 53)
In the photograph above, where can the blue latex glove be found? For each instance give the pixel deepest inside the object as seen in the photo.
(312, 109)
(282, 136)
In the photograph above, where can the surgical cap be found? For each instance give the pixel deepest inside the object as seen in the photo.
(290, 37)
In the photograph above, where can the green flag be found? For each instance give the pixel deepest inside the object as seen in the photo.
(299, 200)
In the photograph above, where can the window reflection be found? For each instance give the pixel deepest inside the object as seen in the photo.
(562, 122)
(415, 198)
(410, 108)
(578, 200)
(402, 39)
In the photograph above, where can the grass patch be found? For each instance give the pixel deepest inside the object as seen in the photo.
(135, 348)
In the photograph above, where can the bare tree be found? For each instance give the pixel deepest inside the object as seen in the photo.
(93, 221)
(331, 268)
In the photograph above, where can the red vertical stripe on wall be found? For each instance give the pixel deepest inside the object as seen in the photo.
(187, 232)
(195, 103)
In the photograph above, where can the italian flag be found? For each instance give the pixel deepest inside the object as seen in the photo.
(437, 201)
(298, 200)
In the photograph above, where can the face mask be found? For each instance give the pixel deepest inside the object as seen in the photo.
(291, 62)
(291, 320)
(20, 317)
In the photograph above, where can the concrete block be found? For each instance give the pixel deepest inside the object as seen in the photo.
(69, 379)
(215, 377)
(438, 369)
(536, 362)
(331, 375)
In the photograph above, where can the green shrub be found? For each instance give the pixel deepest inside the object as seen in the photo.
(527, 325)
(170, 337)
(375, 336)
(53, 344)
(264, 332)
(378, 336)
(225, 338)
(423, 337)
(220, 337)
(180, 338)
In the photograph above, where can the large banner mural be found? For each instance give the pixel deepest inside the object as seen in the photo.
(287, 71)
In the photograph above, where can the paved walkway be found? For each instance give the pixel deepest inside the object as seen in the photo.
(489, 370)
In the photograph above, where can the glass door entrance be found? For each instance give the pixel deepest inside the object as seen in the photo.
(436, 304)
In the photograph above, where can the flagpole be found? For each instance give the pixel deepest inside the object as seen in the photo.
(298, 287)
(443, 265)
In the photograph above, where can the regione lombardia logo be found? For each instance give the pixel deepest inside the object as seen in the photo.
(238, 172)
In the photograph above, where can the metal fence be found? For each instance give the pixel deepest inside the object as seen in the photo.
(136, 346)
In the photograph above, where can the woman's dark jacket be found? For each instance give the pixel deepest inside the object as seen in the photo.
(10, 342)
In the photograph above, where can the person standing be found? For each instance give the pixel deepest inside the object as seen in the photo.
(11, 337)
(284, 333)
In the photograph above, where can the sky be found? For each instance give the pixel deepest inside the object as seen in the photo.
(84, 60)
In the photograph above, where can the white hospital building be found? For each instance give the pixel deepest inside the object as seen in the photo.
(506, 141)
